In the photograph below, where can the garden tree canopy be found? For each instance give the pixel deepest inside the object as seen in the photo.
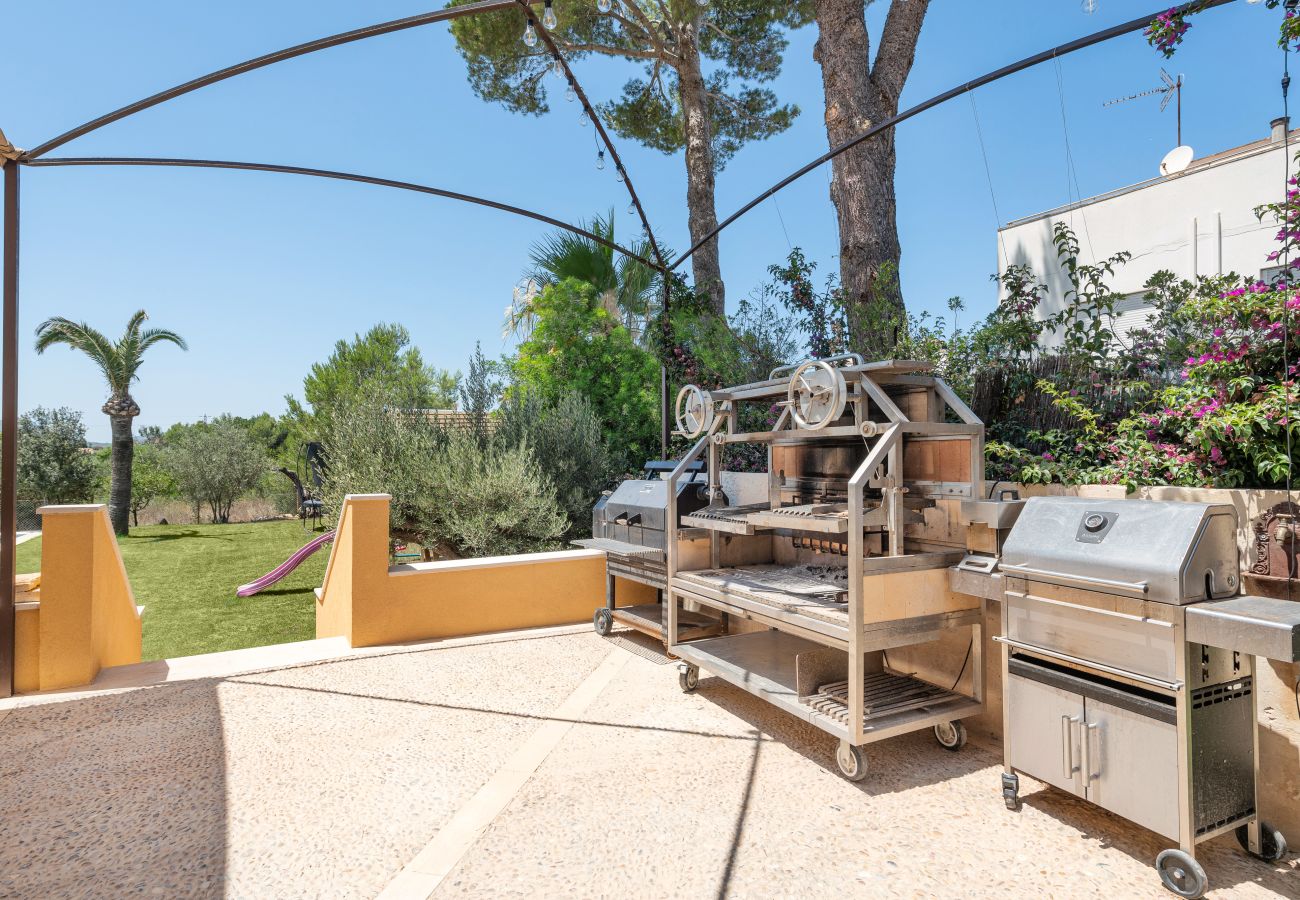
(676, 104)
(119, 362)
(383, 360)
(575, 348)
(53, 465)
(858, 95)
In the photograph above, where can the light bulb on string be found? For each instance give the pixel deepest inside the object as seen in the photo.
(530, 35)
(631, 209)
(604, 5)
(701, 2)
(548, 16)
(1089, 6)
(570, 94)
(600, 159)
(558, 68)
(619, 174)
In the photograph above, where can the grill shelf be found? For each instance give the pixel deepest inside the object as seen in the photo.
(729, 519)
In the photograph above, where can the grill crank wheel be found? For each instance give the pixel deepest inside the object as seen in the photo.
(604, 622)
(694, 411)
(817, 394)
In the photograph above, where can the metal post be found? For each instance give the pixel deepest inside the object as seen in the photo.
(665, 414)
(9, 432)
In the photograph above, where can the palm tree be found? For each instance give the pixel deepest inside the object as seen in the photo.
(626, 287)
(119, 362)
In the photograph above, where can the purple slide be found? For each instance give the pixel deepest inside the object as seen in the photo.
(284, 568)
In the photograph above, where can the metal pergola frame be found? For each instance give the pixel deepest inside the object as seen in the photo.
(13, 159)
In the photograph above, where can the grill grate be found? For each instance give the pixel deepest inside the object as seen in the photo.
(886, 693)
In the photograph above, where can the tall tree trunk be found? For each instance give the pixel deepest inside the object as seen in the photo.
(702, 215)
(859, 95)
(119, 495)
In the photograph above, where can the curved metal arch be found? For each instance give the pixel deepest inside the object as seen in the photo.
(995, 75)
(268, 59)
(340, 176)
(545, 35)
(30, 157)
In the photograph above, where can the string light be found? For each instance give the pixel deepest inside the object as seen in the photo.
(582, 117)
(600, 159)
(530, 34)
(631, 209)
(604, 5)
(558, 68)
(548, 16)
(570, 94)
(619, 174)
(1089, 6)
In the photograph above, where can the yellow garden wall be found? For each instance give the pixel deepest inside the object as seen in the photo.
(84, 617)
(369, 603)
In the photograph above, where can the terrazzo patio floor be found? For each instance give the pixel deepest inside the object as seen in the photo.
(324, 780)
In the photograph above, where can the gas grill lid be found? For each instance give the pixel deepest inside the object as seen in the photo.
(1166, 551)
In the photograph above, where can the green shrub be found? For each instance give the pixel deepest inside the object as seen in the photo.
(491, 501)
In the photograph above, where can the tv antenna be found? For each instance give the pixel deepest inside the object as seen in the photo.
(1172, 89)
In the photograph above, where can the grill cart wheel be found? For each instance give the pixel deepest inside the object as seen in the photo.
(1272, 845)
(1182, 874)
(1011, 791)
(852, 761)
(604, 622)
(688, 676)
(950, 735)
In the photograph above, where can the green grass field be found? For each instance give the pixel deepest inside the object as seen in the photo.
(185, 578)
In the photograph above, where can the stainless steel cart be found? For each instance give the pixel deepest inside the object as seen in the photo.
(820, 580)
(1129, 665)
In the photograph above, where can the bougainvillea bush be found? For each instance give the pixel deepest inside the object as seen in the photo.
(1227, 416)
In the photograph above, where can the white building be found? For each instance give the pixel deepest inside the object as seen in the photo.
(1200, 221)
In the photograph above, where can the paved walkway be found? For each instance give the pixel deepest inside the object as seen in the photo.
(551, 764)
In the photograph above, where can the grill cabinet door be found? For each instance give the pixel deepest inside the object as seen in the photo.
(1131, 763)
(1044, 732)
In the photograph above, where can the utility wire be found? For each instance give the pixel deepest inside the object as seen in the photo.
(1070, 170)
(988, 175)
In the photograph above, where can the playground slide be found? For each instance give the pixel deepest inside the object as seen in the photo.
(284, 568)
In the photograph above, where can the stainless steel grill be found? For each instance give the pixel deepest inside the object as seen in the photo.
(630, 524)
(1128, 668)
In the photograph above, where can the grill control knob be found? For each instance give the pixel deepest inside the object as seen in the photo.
(1094, 522)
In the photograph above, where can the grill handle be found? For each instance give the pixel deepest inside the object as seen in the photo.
(1068, 768)
(1131, 588)
(1091, 664)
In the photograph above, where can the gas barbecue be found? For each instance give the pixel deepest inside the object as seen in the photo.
(1128, 667)
(629, 523)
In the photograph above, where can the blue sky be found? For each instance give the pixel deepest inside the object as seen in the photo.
(262, 273)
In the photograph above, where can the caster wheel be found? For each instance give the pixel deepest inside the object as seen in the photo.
(950, 735)
(604, 622)
(1182, 874)
(688, 676)
(1272, 845)
(1011, 791)
(852, 761)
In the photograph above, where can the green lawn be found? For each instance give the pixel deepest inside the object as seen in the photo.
(185, 578)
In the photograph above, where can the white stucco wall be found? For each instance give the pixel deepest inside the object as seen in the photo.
(1198, 222)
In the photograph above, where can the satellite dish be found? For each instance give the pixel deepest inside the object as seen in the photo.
(1176, 160)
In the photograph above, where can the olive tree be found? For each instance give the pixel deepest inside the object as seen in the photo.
(214, 464)
(54, 465)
